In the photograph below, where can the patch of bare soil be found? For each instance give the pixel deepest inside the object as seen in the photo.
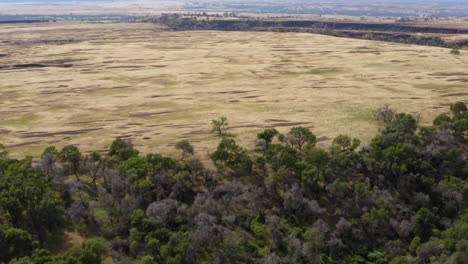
(458, 80)
(448, 74)
(24, 144)
(455, 94)
(198, 132)
(4, 131)
(234, 92)
(34, 65)
(276, 120)
(286, 124)
(151, 114)
(60, 133)
(322, 139)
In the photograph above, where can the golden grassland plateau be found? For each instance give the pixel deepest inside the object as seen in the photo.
(88, 83)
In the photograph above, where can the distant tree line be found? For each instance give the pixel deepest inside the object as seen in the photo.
(390, 32)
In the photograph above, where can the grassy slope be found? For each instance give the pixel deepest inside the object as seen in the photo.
(156, 87)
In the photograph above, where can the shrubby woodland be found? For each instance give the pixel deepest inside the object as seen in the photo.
(402, 199)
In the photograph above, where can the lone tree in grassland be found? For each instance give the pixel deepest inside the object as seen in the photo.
(219, 125)
(455, 51)
(185, 147)
(384, 113)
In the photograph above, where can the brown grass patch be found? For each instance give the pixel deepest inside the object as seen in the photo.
(155, 87)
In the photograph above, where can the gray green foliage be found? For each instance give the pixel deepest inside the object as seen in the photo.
(402, 199)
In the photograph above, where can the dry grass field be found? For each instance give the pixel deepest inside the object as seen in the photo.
(86, 84)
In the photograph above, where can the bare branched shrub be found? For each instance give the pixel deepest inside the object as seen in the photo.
(164, 210)
(384, 113)
(207, 231)
(343, 225)
(418, 116)
(78, 212)
(47, 163)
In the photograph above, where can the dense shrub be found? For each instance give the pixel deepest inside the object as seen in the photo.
(402, 199)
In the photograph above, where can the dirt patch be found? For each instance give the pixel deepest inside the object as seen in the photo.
(24, 144)
(286, 124)
(60, 133)
(35, 65)
(94, 121)
(121, 87)
(321, 139)
(61, 61)
(54, 92)
(364, 52)
(235, 92)
(276, 120)
(247, 126)
(4, 131)
(161, 95)
(151, 114)
(455, 94)
(21, 66)
(198, 132)
(458, 80)
(283, 50)
(80, 122)
(449, 74)
(124, 67)
(320, 52)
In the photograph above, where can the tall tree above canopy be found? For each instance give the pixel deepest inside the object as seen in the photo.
(29, 202)
(71, 155)
(122, 150)
(298, 137)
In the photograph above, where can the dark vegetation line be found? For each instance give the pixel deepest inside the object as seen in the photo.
(11, 19)
(391, 32)
(22, 21)
(402, 199)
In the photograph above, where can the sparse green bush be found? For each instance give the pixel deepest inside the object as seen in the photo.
(219, 125)
(455, 51)
(384, 113)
